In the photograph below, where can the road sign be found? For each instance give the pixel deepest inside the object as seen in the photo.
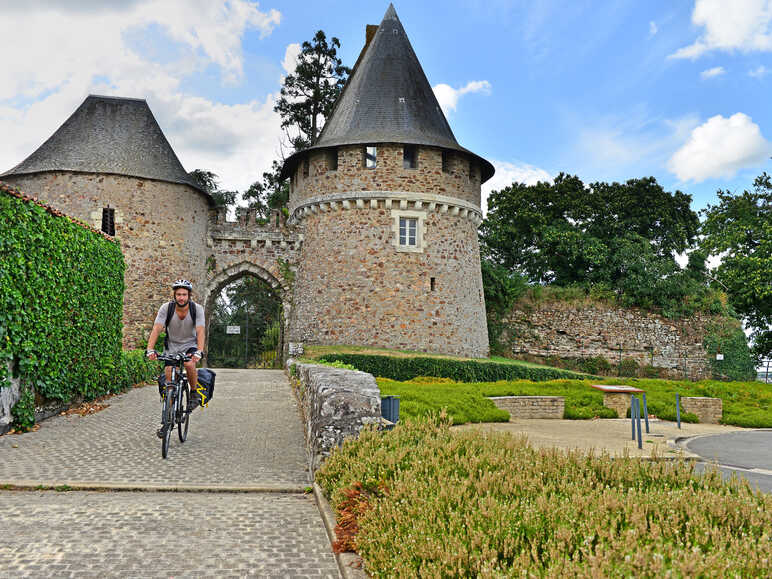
(233, 329)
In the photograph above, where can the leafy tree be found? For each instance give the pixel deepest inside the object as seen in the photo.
(739, 231)
(209, 182)
(270, 193)
(309, 93)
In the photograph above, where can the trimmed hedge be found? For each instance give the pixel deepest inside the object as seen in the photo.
(402, 369)
(61, 305)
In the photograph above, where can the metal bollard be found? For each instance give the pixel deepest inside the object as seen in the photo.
(678, 409)
(638, 422)
(646, 413)
(632, 415)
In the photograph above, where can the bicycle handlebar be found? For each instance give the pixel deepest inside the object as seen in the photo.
(174, 358)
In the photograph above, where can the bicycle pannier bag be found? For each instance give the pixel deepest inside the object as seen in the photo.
(206, 384)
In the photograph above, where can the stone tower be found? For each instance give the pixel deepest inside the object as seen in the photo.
(389, 205)
(111, 166)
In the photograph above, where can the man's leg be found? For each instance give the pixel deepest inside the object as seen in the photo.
(190, 369)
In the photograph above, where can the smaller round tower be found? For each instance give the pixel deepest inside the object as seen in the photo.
(389, 205)
(111, 166)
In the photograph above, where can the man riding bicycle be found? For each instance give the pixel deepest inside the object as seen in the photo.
(184, 333)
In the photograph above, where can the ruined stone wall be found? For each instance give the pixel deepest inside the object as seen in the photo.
(529, 407)
(161, 228)
(388, 175)
(583, 330)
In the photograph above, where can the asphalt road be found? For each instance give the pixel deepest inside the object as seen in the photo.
(746, 454)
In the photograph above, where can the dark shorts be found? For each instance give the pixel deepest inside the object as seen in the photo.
(188, 351)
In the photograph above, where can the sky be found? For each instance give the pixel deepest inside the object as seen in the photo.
(606, 90)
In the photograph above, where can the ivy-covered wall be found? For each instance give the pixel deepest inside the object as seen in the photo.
(61, 296)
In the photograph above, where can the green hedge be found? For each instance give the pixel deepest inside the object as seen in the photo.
(458, 370)
(61, 303)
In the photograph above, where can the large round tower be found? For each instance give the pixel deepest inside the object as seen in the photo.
(111, 166)
(389, 204)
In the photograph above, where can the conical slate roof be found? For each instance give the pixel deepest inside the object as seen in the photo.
(114, 135)
(388, 99)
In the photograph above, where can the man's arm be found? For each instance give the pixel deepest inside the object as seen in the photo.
(156, 331)
(200, 339)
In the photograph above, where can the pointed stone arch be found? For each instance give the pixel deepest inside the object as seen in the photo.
(234, 272)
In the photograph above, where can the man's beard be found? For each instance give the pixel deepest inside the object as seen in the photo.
(184, 304)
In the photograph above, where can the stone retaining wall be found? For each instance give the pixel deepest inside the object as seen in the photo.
(531, 406)
(708, 410)
(336, 405)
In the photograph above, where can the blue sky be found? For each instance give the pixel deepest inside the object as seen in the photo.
(605, 90)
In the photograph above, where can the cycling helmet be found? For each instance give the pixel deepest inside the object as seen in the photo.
(182, 283)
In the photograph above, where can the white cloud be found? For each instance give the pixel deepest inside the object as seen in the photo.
(712, 72)
(719, 148)
(448, 96)
(291, 54)
(652, 28)
(508, 173)
(64, 52)
(739, 25)
(759, 72)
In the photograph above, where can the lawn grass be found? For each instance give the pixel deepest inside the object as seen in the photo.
(425, 500)
(745, 404)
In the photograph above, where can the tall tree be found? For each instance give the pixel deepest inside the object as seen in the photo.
(210, 183)
(739, 231)
(270, 193)
(309, 93)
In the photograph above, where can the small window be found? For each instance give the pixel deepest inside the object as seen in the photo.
(471, 170)
(433, 283)
(371, 154)
(108, 220)
(305, 167)
(445, 162)
(410, 157)
(408, 227)
(332, 160)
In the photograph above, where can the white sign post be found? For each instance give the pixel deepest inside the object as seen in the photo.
(233, 329)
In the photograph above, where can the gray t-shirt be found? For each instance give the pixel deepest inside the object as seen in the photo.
(181, 333)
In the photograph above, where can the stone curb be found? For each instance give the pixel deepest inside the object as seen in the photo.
(138, 487)
(349, 564)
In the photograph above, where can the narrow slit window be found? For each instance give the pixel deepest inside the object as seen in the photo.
(371, 155)
(433, 283)
(332, 160)
(410, 157)
(445, 162)
(408, 228)
(108, 220)
(305, 168)
(471, 170)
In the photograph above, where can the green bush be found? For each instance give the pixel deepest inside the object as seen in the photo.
(425, 500)
(61, 300)
(459, 370)
(628, 367)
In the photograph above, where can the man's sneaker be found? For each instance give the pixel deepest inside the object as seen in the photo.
(195, 400)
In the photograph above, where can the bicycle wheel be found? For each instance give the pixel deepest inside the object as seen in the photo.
(183, 415)
(167, 417)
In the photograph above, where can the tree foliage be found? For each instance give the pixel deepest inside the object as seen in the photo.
(210, 183)
(270, 193)
(621, 236)
(739, 230)
(309, 93)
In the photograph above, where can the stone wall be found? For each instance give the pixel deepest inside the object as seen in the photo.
(589, 329)
(708, 410)
(336, 405)
(531, 406)
(161, 228)
(9, 396)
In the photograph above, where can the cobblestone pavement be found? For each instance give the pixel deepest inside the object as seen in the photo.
(251, 435)
(137, 534)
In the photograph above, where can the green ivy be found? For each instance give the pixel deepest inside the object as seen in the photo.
(23, 412)
(728, 339)
(61, 301)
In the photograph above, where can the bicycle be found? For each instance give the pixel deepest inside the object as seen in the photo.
(175, 406)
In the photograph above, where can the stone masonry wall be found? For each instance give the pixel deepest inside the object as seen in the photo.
(353, 287)
(583, 330)
(389, 173)
(336, 405)
(161, 228)
(531, 406)
(708, 410)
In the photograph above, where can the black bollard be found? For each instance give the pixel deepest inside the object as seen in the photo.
(678, 409)
(638, 422)
(646, 413)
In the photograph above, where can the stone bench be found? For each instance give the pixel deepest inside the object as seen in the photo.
(617, 396)
(708, 410)
(531, 406)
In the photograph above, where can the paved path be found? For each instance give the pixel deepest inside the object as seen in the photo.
(250, 438)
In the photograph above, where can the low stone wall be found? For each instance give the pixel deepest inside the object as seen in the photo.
(708, 410)
(336, 405)
(619, 401)
(531, 406)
